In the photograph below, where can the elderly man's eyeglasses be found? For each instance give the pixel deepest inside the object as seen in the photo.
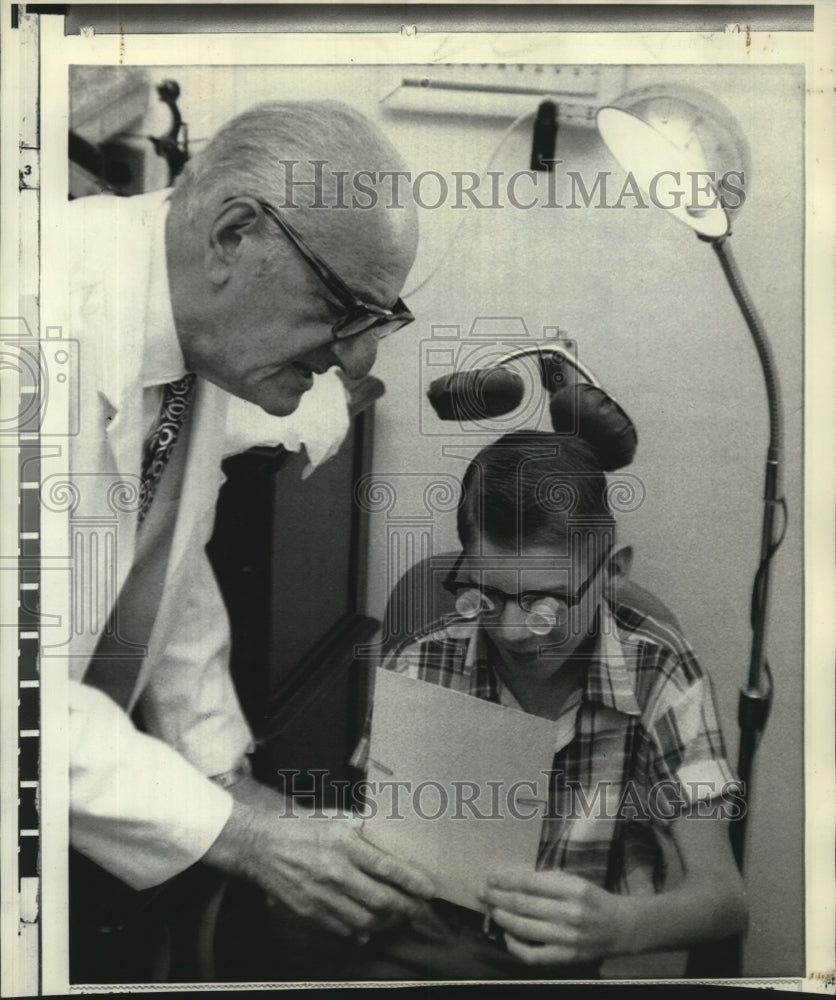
(545, 610)
(360, 316)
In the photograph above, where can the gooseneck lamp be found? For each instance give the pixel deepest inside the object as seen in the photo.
(689, 154)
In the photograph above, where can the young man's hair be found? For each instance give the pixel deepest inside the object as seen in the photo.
(531, 488)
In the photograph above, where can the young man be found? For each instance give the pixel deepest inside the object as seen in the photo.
(639, 757)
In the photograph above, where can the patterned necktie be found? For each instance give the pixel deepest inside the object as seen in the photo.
(159, 446)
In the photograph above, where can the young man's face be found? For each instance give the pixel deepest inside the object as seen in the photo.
(516, 583)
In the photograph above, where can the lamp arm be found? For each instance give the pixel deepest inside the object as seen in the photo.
(770, 374)
(755, 700)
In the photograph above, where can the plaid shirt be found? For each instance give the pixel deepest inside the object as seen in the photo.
(636, 744)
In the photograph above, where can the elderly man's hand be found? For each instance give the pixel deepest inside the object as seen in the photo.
(318, 866)
(553, 917)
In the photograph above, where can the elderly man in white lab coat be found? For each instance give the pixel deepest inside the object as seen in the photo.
(179, 299)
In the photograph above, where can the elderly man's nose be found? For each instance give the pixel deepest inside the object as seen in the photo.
(356, 355)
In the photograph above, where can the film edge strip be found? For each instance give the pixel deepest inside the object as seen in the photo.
(23, 368)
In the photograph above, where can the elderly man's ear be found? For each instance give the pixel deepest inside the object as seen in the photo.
(235, 220)
(621, 562)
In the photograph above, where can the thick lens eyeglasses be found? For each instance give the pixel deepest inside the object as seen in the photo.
(360, 316)
(544, 610)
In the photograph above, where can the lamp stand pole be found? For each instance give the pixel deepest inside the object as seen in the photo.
(756, 697)
(724, 958)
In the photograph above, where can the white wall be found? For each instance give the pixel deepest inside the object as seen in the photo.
(652, 315)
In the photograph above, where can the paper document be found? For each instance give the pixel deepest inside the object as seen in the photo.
(457, 785)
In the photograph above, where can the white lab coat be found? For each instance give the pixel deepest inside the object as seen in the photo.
(141, 804)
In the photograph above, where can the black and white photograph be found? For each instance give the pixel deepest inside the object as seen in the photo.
(417, 496)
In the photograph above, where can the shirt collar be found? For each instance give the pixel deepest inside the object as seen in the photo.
(608, 679)
(162, 358)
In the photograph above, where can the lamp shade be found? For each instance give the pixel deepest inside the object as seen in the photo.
(684, 149)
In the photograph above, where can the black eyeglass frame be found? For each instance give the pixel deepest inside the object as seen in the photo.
(501, 598)
(383, 321)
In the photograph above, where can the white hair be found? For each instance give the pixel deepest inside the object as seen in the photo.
(244, 156)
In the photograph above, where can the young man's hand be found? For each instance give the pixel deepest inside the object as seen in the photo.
(555, 917)
(318, 866)
(552, 917)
